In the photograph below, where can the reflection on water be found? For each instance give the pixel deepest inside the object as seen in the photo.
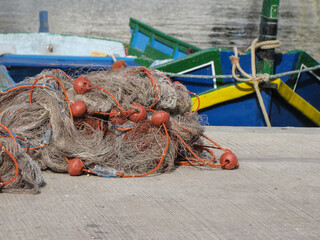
(204, 23)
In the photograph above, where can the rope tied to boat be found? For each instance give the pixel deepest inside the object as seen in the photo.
(275, 76)
(253, 76)
(270, 44)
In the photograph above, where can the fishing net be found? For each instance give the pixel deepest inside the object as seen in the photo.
(41, 130)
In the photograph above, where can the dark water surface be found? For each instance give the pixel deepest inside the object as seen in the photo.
(204, 23)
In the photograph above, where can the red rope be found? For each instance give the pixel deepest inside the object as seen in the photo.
(161, 160)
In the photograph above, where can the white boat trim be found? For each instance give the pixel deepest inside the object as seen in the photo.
(58, 45)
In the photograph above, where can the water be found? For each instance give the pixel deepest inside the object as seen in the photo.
(204, 23)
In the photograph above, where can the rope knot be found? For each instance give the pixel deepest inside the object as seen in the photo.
(253, 77)
(266, 77)
(234, 59)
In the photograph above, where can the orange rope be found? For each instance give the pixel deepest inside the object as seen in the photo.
(11, 135)
(209, 139)
(156, 96)
(151, 77)
(161, 160)
(196, 156)
(10, 155)
(114, 99)
(124, 129)
(37, 147)
(59, 70)
(198, 101)
(197, 106)
(220, 147)
(15, 163)
(151, 110)
(64, 91)
(23, 86)
(103, 113)
(165, 77)
(194, 162)
(124, 113)
(27, 148)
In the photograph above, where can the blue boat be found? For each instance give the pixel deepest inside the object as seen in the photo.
(290, 100)
(256, 87)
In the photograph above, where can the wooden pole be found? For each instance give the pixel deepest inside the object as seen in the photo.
(44, 24)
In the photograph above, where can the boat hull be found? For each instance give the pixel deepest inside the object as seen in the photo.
(22, 66)
(294, 101)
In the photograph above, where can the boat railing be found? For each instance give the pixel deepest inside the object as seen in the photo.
(151, 43)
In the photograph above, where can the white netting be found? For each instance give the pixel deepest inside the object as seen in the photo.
(47, 133)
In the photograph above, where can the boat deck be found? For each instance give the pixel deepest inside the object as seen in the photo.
(275, 194)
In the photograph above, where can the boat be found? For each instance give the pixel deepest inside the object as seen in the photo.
(153, 47)
(27, 54)
(45, 43)
(290, 100)
(229, 94)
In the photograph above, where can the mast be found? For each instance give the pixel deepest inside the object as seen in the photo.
(268, 31)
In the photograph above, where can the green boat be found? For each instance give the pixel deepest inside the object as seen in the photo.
(150, 45)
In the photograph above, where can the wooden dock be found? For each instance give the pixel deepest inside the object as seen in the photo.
(275, 194)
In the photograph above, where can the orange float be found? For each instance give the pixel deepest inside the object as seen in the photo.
(81, 85)
(140, 115)
(119, 64)
(78, 108)
(115, 119)
(160, 117)
(75, 167)
(230, 160)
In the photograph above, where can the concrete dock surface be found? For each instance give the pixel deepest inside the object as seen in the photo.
(275, 194)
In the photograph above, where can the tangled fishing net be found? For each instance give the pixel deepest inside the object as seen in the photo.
(113, 123)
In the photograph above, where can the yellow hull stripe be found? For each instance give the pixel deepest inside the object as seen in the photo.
(297, 102)
(224, 94)
(232, 92)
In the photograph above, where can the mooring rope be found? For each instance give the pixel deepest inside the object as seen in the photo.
(274, 76)
(253, 77)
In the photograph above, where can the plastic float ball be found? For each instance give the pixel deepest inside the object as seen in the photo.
(140, 115)
(78, 108)
(160, 117)
(81, 85)
(75, 167)
(117, 120)
(230, 159)
(119, 64)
